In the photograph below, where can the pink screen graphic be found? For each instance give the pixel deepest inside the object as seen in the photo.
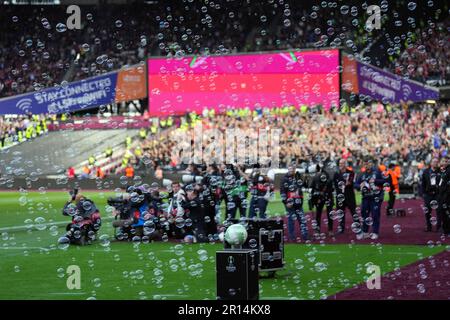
(293, 78)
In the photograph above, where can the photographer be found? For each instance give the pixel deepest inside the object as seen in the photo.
(86, 219)
(145, 204)
(213, 179)
(121, 211)
(322, 196)
(154, 198)
(175, 199)
(261, 190)
(235, 192)
(291, 191)
(194, 210)
(209, 200)
(134, 209)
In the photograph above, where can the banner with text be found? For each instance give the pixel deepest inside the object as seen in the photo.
(124, 85)
(388, 87)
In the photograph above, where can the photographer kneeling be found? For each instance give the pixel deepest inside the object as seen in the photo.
(86, 219)
(135, 216)
(122, 214)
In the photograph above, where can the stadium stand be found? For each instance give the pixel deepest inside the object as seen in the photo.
(46, 53)
(37, 51)
(427, 58)
(55, 152)
(17, 129)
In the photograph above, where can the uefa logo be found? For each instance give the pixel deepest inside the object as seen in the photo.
(231, 267)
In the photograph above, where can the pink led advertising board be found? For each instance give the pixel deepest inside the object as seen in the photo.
(291, 78)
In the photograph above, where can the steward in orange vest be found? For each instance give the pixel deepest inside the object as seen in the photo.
(129, 171)
(393, 188)
(99, 173)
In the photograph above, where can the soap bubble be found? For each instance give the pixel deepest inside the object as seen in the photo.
(63, 243)
(202, 255)
(253, 243)
(412, 6)
(104, 240)
(97, 282)
(40, 223)
(61, 27)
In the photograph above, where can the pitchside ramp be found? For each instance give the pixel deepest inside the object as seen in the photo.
(54, 152)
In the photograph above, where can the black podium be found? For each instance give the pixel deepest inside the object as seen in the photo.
(237, 274)
(267, 237)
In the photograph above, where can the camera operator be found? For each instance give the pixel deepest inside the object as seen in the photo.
(322, 196)
(291, 191)
(261, 190)
(431, 179)
(345, 193)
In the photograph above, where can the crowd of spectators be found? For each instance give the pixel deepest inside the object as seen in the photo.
(397, 133)
(402, 134)
(14, 130)
(37, 50)
(426, 59)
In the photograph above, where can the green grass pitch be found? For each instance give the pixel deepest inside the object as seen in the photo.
(33, 267)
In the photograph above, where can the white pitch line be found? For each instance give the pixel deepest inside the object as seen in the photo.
(11, 254)
(328, 252)
(25, 248)
(67, 293)
(405, 253)
(32, 226)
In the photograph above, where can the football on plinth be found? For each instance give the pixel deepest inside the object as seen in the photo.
(236, 234)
